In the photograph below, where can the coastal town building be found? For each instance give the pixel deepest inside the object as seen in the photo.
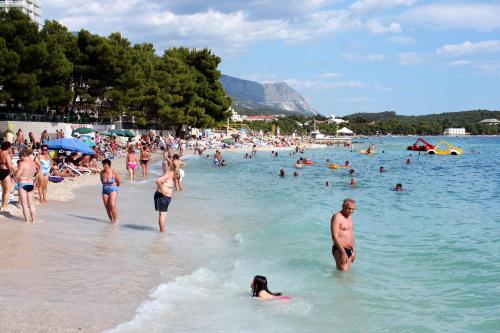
(344, 131)
(454, 131)
(237, 117)
(333, 120)
(492, 121)
(30, 7)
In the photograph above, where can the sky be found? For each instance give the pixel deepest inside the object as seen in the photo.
(408, 56)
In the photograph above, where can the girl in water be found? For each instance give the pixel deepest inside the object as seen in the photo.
(131, 162)
(259, 289)
(110, 181)
(145, 153)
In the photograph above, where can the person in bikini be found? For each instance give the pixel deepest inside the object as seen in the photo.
(43, 177)
(342, 230)
(131, 162)
(178, 172)
(145, 154)
(163, 195)
(110, 181)
(6, 169)
(25, 175)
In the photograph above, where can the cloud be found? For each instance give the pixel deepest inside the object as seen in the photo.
(477, 16)
(363, 57)
(462, 62)
(373, 5)
(469, 48)
(404, 40)
(375, 27)
(411, 58)
(330, 75)
(332, 85)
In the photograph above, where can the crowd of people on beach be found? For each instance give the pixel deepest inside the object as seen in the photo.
(36, 164)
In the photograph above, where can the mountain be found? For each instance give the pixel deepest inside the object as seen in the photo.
(272, 98)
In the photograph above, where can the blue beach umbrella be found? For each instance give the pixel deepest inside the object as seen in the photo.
(70, 144)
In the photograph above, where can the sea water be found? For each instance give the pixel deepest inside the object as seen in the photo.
(428, 258)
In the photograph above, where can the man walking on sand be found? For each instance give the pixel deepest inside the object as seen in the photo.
(342, 229)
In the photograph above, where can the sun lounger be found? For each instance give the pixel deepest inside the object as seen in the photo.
(75, 170)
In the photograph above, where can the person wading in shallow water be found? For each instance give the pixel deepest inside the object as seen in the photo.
(342, 229)
(110, 181)
(25, 175)
(163, 195)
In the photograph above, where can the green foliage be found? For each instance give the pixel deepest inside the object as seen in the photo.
(432, 124)
(53, 67)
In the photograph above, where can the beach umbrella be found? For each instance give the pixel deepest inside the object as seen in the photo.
(83, 130)
(89, 143)
(106, 133)
(123, 132)
(70, 144)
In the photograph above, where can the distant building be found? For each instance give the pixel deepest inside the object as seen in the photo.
(333, 120)
(261, 118)
(454, 131)
(492, 121)
(344, 131)
(30, 7)
(236, 117)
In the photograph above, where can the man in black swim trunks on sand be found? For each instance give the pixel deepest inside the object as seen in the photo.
(342, 229)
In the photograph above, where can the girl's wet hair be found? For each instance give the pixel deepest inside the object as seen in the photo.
(259, 283)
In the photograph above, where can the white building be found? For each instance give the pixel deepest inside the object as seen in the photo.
(454, 131)
(344, 131)
(492, 121)
(332, 120)
(236, 117)
(30, 7)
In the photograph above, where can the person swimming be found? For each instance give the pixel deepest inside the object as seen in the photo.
(282, 173)
(398, 187)
(260, 290)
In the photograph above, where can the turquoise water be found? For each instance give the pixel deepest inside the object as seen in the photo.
(428, 258)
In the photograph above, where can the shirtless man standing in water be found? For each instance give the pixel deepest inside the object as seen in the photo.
(342, 229)
(163, 195)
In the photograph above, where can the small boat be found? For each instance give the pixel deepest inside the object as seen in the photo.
(425, 146)
(444, 148)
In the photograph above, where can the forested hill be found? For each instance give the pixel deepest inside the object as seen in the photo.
(454, 119)
(390, 122)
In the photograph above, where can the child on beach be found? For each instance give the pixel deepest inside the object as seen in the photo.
(259, 289)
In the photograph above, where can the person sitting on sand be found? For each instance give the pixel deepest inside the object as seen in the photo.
(259, 289)
(25, 176)
(398, 187)
(110, 182)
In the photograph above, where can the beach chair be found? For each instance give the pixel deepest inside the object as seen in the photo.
(75, 170)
